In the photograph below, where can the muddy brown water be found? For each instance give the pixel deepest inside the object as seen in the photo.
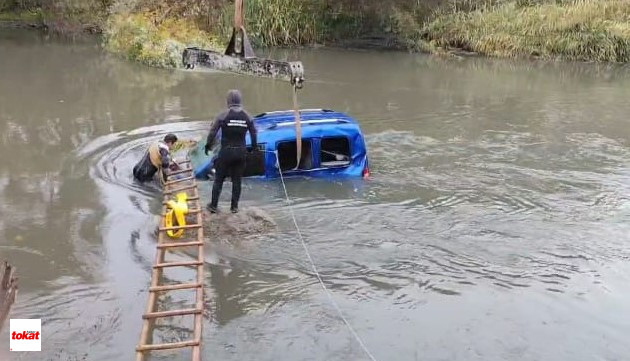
(495, 226)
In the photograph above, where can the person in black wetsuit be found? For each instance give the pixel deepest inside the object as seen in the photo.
(234, 124)
(157, 157)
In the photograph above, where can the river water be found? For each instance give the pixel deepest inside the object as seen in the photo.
(495, 225)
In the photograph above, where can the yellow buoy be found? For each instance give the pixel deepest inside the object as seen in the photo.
(178, 209)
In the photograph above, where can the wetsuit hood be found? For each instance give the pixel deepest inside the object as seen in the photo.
(234, 98)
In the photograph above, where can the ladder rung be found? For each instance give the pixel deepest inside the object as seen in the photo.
(184, 312)
(178, 264)
(167, 346)
(175, 228)
(179, 180)
(190, 211)
(180, 171)
(179, 244)
(181, 286)
(195, 198)
(180, 189)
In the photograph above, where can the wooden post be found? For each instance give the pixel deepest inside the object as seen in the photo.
(8, 292)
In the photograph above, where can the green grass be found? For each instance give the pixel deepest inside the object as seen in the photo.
(284, 22)
(35, 16)
(277, 22)
(297, 22)
(584, 30)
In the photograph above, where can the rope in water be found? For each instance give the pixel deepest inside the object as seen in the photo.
(298, 127)
(317, 274)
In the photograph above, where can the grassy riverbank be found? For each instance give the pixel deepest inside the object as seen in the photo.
(138, 37)
(155, 32)
(26, 16)
(586, 30)
(69, 16)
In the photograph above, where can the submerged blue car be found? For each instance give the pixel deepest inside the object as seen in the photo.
(332, 145)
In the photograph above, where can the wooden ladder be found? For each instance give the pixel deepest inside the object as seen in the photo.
(185, 183)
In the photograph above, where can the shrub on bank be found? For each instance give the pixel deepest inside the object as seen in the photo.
(585, 30)
(140, 37)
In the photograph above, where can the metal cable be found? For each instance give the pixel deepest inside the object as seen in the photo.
(319, 277)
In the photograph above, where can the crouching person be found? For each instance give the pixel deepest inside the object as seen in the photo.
(156, 158)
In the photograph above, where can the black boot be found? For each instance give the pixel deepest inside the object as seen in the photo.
(211, 208)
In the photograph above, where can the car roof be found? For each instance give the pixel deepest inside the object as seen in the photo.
(277, 119)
